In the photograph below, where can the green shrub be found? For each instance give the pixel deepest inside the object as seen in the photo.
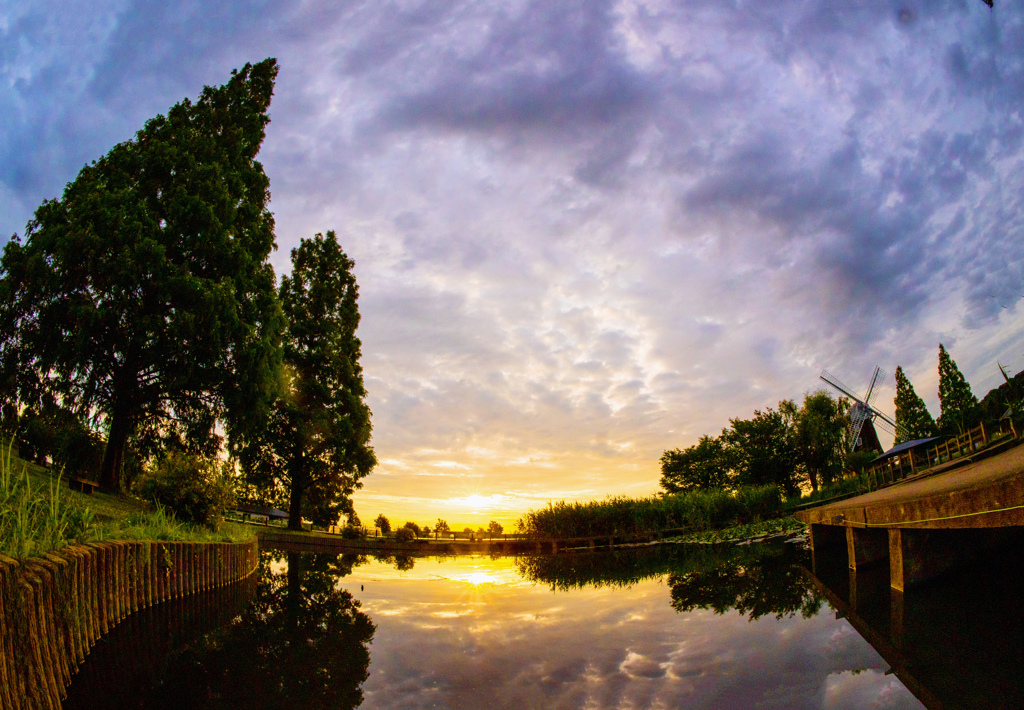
(353, 532)
(404, 535)
(195, 488)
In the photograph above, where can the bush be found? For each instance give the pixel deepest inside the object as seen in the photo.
(404, 535)
(353, 532)
(197, 489)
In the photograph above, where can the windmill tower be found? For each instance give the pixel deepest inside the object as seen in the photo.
(862, 434)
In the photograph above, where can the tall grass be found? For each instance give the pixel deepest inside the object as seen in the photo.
(619, 515)
(34, 519)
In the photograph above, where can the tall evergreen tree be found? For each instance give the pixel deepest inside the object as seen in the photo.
(913, 420)
(956, 401)
(144, 295)
(316, 442)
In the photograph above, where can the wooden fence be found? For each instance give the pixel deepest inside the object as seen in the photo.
(907, 463)
(54, 608)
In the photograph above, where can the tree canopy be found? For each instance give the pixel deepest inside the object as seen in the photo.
(702, 466)
(143, 297)
(762, 450)
(820, 437)
(913, 420)
(315, 444)
(957, 403)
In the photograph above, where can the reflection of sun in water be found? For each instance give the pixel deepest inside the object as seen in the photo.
(478, 578)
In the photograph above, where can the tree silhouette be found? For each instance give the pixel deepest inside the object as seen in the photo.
(143, 297)
(301, 643)
(957, 403)
(913, 420)
(316, 441)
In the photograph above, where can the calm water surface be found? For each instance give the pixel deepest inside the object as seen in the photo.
(662, 628)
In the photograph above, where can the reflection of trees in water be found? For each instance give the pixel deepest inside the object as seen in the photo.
(756, 580)
(403, 563)
(301, 643)
(760, 581)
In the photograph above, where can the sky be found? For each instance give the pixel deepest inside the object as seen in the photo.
(586, 232)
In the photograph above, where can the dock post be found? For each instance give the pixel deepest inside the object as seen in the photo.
(865, 545)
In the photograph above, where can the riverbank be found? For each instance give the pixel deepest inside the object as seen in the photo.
(778, 529)
(54, 608)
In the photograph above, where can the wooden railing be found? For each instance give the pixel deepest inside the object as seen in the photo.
(907, 463)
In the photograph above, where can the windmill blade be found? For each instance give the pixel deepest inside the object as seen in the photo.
(884, 423)
(858, 415)
(825, 376)
(879, 415)
(875, 379)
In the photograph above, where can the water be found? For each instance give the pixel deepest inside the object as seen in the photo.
(666, 627)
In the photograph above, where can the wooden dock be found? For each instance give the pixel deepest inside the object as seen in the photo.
(922, 524)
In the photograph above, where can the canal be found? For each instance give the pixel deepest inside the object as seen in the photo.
(658, 627)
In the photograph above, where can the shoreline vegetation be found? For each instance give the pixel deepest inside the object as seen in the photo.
(40, 514)
(688, 513)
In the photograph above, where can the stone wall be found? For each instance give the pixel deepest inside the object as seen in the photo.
(54, 608)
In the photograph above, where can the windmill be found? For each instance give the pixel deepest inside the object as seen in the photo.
(861, 434)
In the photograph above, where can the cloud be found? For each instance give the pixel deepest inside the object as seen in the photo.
(593, 229)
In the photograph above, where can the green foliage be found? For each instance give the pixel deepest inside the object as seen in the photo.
(762, 451)
(405, 535)
(494, 528)
(353, 532)
(441, 527)
(195, 488)
(413, 527)
(315, 443)
(692, 510)
(845, 487)
(383, 523)
(819, 437)
(36, 519)
(857, 461)
(143, 295)
(52, 434)
(702, 466)
(913, 420)
(957, 403)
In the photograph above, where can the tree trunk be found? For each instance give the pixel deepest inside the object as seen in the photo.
(113, 455)
(295, 504)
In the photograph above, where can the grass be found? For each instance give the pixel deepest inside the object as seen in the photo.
(39, 514)
(853, 485)
(695, 511)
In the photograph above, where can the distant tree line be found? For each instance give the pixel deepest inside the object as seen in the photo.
(141, 317)
(410, 530)
(790, 447)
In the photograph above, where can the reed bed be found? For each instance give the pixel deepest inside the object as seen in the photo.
(618, 515)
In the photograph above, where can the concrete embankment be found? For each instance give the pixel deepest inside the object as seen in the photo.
(54, 608)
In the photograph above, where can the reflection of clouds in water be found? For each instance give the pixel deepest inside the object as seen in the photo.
(859, 691)
(457, 645)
